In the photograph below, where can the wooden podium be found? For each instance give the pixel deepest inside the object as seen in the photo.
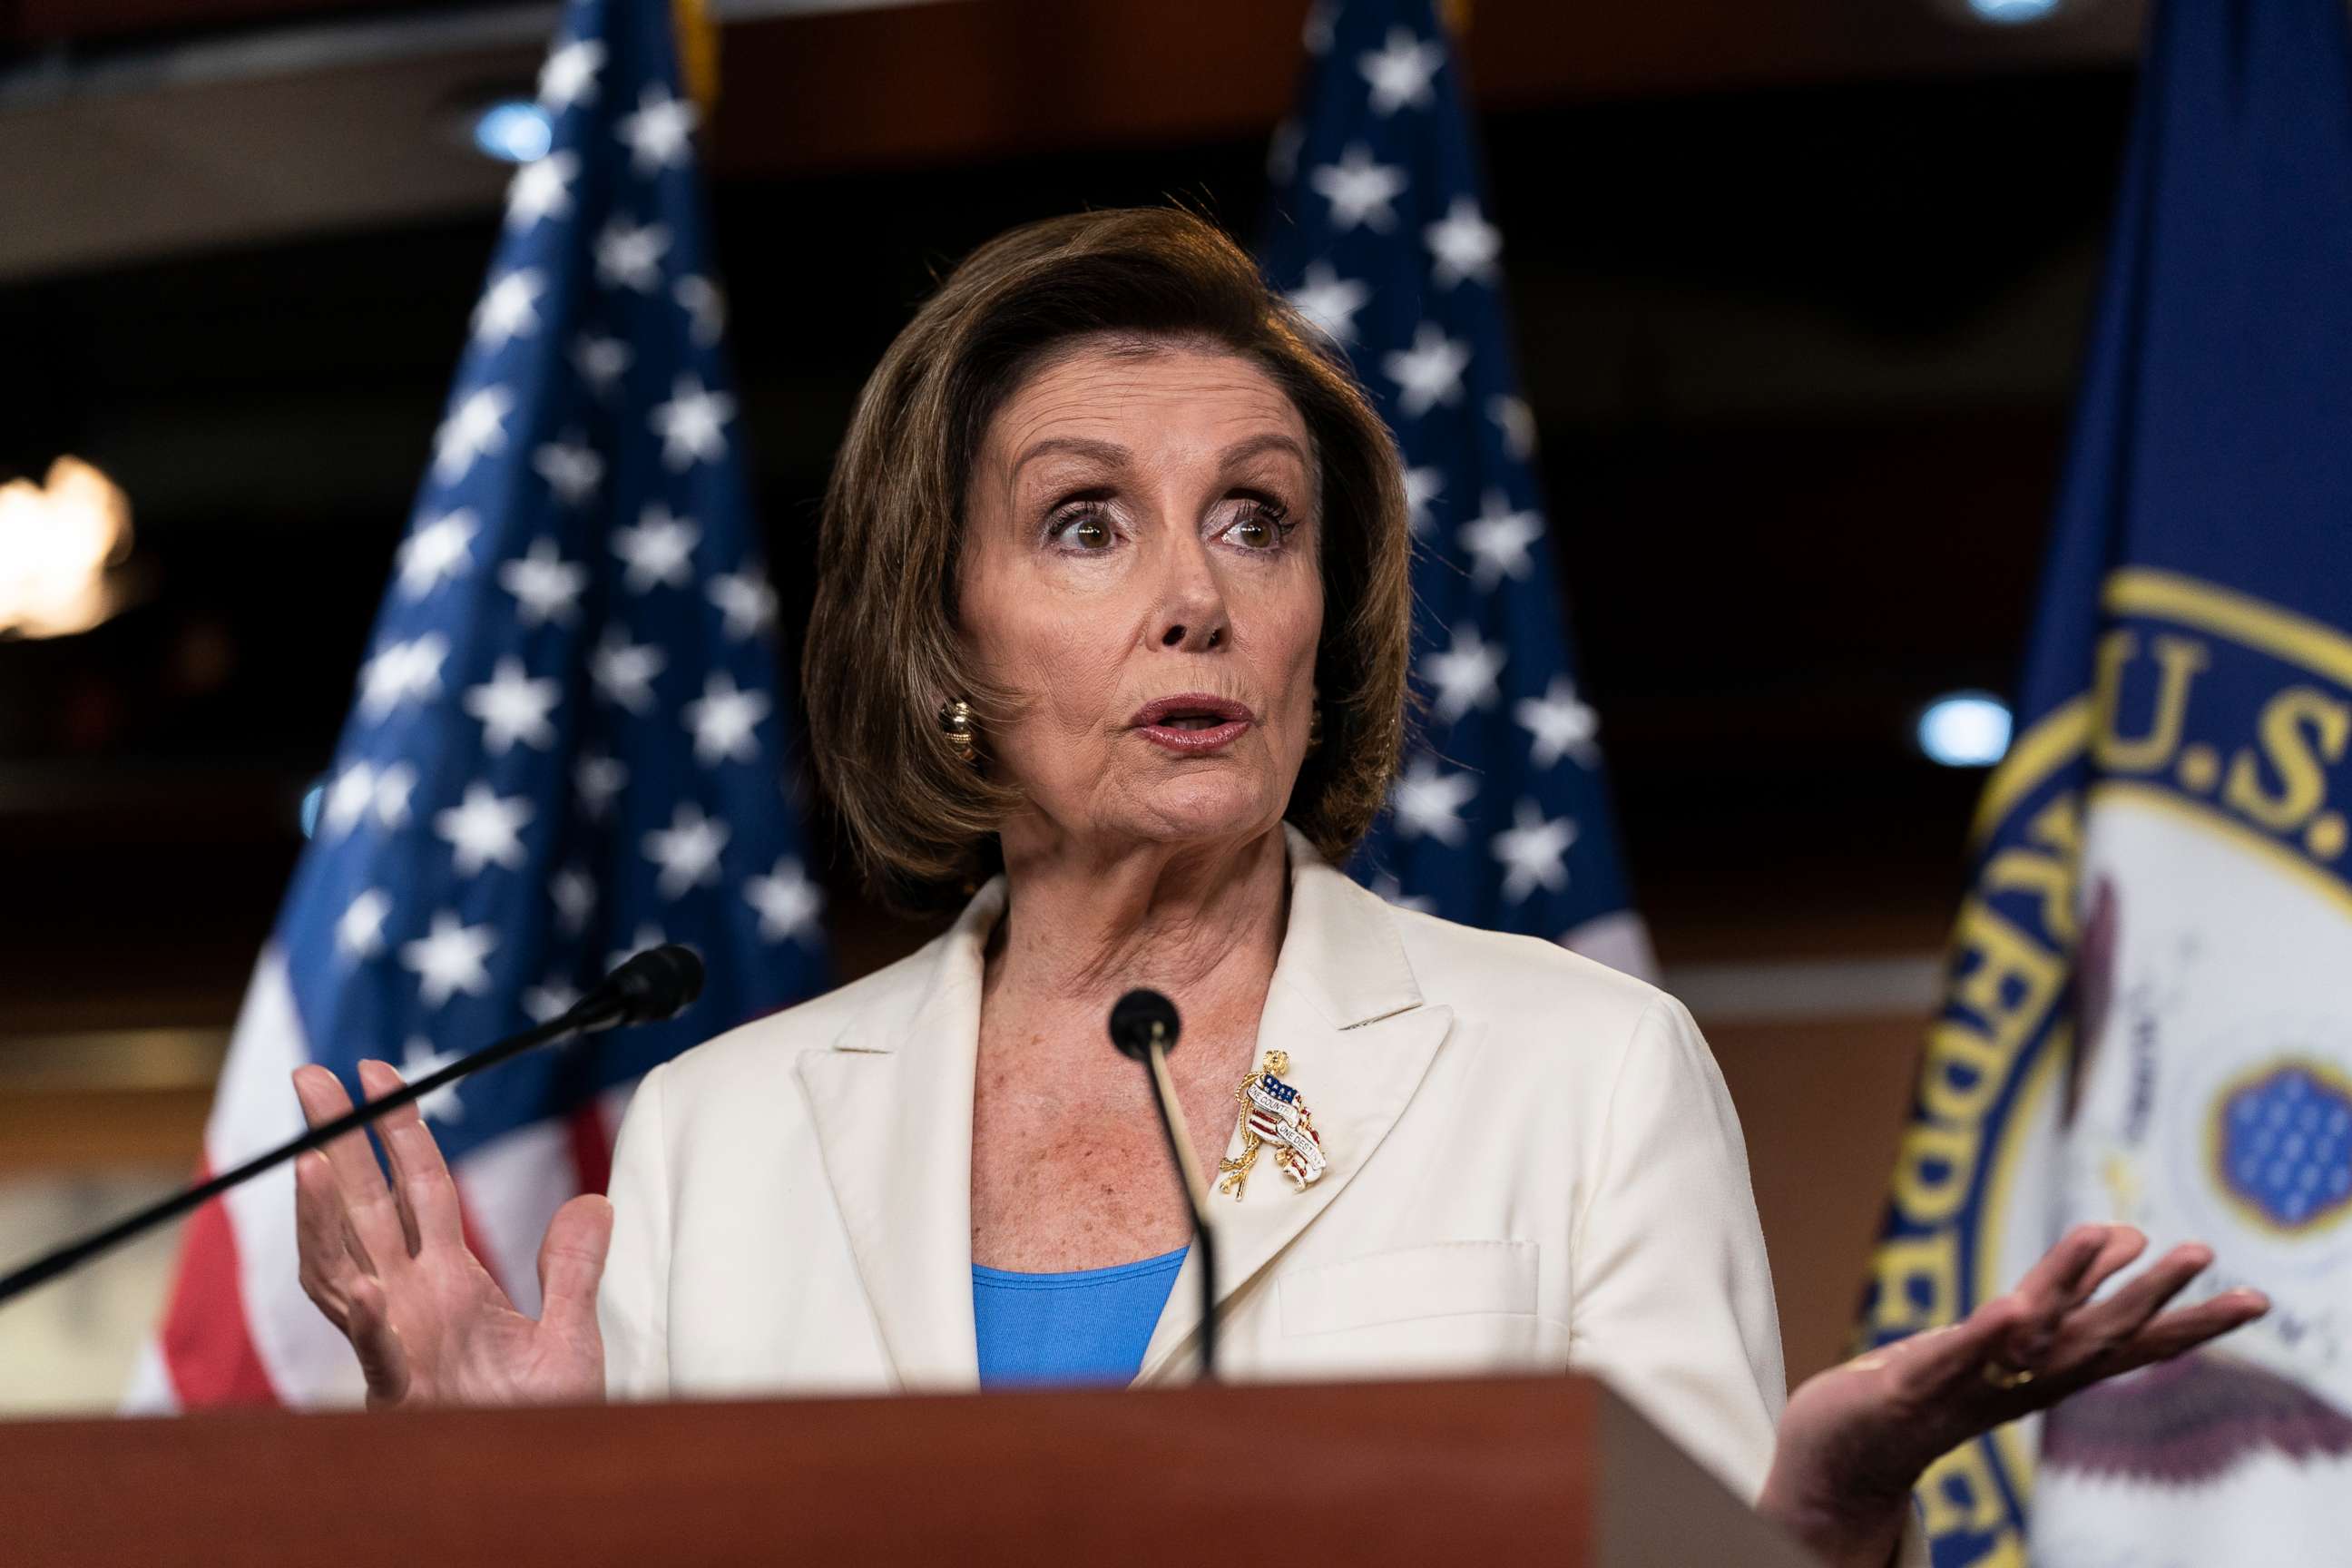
(1553, 1470)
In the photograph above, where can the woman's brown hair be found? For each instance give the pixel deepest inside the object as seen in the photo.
(883, 655)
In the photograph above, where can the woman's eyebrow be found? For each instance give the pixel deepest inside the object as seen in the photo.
(1112, 453)
(1273, 441)
(1107, 452)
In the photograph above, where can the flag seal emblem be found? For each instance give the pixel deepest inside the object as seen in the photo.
(2281, 1144)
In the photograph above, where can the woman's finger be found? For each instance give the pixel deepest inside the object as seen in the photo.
(2017, 1330)
(373, 1088)
(428, 1198)
(2054, 1277)
(1953, 1358)
(371, 1219)
(326, 1269)
(571, 1262)
(2170, 1334)
(2105, 1327)
(2124, 1245)
(2161, 1339)
(353, 1247)
(2049, 1290)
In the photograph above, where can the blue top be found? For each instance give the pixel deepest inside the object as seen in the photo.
(1089, 1325)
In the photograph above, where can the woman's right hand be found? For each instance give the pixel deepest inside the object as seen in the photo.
(390, 1269)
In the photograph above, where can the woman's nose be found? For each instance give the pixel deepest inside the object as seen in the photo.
(1177, 634)
(1191, 616)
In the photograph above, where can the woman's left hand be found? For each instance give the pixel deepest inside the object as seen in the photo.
(1857, 1438)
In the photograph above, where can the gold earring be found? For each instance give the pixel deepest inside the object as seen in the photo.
(955, 722)
(1315, 728)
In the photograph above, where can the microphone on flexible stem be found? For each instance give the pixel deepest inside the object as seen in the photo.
(1144, 1027)
(651, 986)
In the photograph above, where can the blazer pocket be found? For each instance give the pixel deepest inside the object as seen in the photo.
(1442, 1279)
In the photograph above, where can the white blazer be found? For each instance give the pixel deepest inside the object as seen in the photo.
(1533, 1165)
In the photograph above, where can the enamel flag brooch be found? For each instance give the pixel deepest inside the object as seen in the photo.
(1273, 1114)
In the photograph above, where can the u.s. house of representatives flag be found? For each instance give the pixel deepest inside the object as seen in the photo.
(2150, 1009)
(566, 745)
(1379, 234)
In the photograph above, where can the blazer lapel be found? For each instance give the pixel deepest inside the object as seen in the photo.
(892, 1102)
(1345, 1006)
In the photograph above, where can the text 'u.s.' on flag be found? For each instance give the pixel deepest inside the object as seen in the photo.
(2149, 1019)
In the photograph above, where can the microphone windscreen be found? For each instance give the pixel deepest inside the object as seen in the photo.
(1132, 1018)
(659, 983)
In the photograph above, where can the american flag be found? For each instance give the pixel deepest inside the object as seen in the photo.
(1379, 234)
(566, 745)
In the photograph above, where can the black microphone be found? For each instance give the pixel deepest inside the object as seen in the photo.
(1144, 1027)
(660, 983)
(654, 984)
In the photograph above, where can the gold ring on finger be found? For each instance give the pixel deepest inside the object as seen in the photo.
(2007, 1377)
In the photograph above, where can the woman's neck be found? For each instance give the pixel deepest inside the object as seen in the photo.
(1084, 924)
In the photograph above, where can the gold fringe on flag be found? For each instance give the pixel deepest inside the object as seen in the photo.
(698, 52)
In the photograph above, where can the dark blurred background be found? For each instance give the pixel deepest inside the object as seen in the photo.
(1800, 284)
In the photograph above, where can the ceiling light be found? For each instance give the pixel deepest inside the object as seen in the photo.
(59, 541)
(514, 131)
(1965, 729)
(2011, 11)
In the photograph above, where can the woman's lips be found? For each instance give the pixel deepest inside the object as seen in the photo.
(1192, 724)
(1193, 741)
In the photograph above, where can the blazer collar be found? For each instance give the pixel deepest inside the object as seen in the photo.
(1340, 951)
(1345, 1006)
(892, 1101)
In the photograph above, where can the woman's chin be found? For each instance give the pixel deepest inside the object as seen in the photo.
(1203, 809)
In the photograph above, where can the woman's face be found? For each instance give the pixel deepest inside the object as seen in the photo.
(1138, 568)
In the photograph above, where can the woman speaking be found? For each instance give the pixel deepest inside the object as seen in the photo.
(1110, 642)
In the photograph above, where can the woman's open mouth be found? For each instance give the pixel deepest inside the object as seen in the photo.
(1192, 723)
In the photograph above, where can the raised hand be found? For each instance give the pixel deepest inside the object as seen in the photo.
(1855, 1438)
(390, 1269)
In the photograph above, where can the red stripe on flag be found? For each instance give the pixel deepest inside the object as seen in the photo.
(205, 1345)
(592, 1147)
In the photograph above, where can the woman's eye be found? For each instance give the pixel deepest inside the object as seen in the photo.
(1087, 532)
(1258, 528)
